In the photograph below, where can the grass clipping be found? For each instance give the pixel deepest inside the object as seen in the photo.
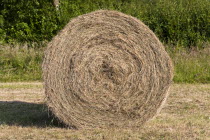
(106, 69)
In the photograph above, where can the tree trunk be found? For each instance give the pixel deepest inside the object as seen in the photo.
(56, 4)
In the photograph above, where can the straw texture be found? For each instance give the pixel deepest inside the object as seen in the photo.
(106, 69)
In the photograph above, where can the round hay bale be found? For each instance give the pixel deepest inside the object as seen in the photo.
(106, 69)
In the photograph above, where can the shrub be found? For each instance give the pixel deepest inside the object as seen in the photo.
(176, 22)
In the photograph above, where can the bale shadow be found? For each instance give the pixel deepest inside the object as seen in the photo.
(27, 114)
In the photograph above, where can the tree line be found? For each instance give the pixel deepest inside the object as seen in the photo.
(176, 22)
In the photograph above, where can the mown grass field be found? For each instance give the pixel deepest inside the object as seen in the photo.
(23, 115)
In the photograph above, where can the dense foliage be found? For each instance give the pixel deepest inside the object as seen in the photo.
(176, 22)
(27, 21)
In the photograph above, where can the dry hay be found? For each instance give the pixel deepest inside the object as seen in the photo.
(106, 69)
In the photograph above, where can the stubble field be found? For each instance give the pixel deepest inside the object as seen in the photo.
(24, 116)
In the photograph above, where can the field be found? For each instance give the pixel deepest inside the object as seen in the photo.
(23, 115)
(183, 26)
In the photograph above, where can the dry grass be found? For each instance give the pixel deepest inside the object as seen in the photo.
(106, 69)
(23, 116)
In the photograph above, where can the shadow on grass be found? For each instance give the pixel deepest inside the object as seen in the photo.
(27, 114)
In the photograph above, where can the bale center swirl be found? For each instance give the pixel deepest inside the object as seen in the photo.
(106, 69)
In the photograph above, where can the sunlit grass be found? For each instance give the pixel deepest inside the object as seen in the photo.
(184, 116)
(191, 66)
(20, 64)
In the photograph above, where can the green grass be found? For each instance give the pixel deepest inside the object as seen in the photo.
(19, 64)
(22, 86)
(191, 66)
